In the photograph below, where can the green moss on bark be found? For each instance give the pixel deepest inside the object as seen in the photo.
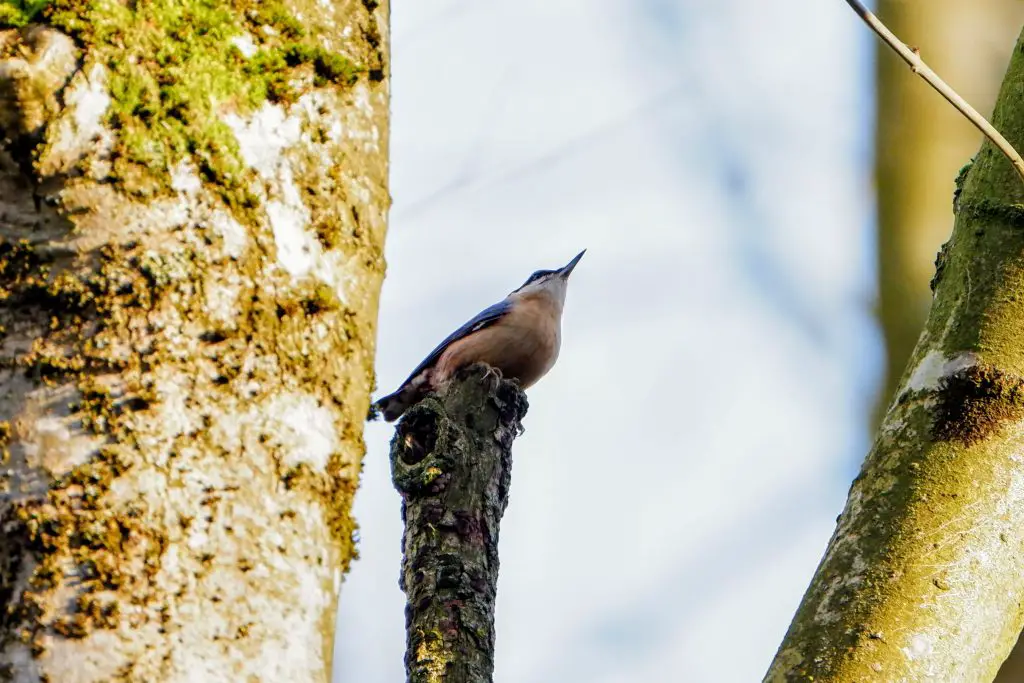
(176, 67)
(94, 306)
(16, 13)
(118, 318)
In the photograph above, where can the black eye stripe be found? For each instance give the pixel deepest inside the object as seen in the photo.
(537, 275)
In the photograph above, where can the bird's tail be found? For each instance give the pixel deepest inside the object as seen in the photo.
(393, 405)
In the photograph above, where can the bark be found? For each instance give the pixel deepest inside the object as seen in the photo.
(192, 214)
(921, 143)
(451, 459)
(922, 578)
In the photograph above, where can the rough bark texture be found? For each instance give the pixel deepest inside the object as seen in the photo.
(451, 459)
(192, 215)
(922, 579)
(920, 144)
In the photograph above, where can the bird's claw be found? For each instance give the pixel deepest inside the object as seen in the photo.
(491, 371)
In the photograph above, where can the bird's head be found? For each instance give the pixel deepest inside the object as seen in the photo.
(550, 282)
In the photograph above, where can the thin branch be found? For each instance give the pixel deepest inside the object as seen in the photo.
(918, 66)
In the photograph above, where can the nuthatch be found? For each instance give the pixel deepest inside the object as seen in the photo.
(519, 337)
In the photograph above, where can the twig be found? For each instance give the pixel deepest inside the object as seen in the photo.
(918, 66)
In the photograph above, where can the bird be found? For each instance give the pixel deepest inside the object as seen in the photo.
(519, 337)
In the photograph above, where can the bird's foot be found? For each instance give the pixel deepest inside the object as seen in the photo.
(491, 371)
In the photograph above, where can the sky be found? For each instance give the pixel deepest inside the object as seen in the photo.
(684, 462)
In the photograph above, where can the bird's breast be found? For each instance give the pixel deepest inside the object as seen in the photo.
(523, 345)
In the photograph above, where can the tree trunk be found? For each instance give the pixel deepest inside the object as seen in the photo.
(451, 459)
(192, 215)
(921, 143)
(922, 579)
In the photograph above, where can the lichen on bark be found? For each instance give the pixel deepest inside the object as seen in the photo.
(921, 579)
(451, 459)
(192, 212)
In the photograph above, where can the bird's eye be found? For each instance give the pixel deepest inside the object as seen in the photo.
(538, 275)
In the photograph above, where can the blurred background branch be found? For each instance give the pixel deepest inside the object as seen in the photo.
(920, 146)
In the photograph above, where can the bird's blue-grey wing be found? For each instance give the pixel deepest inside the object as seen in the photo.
(484, 318)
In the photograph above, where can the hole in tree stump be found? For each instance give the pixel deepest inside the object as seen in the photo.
(417, 437)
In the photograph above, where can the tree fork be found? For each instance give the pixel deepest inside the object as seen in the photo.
(922, 578)
(451, 459)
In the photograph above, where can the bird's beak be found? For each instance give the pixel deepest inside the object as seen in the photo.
(567, 268)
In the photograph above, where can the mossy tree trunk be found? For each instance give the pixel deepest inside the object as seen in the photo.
(451, 459)
(192, 215)
(924, 576)
(921, 143)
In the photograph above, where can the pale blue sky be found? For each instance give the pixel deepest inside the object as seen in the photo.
(684, 462)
